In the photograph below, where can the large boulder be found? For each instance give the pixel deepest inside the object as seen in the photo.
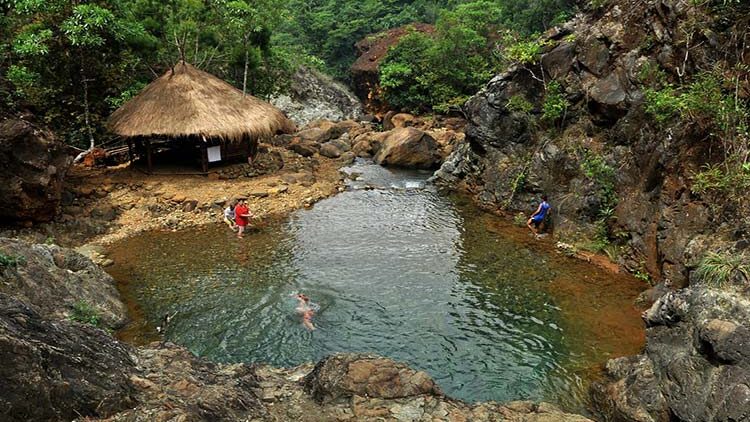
(59, 370)
(408, 147)
(33, 164)
(53, 280)
(342, 376)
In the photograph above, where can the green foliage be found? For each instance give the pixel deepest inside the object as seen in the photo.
(438, 72)
(710, 103)
(716, 178)
(330, 28)
(642, 275)
(520, 219)
(718, 270)
(58, 57)
(84, 312)
(11, 261)
(72, 63)
(555, 104)
(116, 101)
(522, 50)
(33, 40)
(516, 184)
(519, 104)
(596, 169)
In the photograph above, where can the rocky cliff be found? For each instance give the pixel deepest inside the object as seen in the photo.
(593, 122)
(33, 164)
(315, 96)
(574, 124)
(695, 367)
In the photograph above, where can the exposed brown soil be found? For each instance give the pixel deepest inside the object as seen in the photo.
(108, 204)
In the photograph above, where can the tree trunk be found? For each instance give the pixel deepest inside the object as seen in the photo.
(244, 76)
(87, 119)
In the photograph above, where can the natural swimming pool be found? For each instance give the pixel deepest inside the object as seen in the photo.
(399, 270)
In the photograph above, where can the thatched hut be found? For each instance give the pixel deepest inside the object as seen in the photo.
(187, 107)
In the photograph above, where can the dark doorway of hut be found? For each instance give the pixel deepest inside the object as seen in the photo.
(188, 155)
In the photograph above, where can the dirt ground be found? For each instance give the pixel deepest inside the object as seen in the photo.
(103, 205)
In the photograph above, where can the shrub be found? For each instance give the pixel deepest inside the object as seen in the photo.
(596, 169)
(522, 50)
(555, 103)
(10, 261)
(718, 270)
(85, 313)
(519, 104)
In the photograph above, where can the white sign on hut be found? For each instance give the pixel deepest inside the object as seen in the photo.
(198, 113)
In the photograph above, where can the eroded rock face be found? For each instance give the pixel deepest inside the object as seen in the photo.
(314, 96)
(59, 370)
(695, 366)
(194, 388)
(33, 164)
(52, 279)
(407, 147)
(515, 153)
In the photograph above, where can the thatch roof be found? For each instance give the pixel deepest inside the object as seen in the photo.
(187, 101)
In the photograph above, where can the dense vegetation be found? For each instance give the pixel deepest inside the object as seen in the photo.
(73, 62)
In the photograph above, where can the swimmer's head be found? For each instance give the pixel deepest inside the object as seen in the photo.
(303, 297)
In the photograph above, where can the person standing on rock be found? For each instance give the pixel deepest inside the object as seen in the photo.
(241, 217)
(537, 219)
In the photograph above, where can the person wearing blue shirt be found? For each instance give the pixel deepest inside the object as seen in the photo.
(538, 217)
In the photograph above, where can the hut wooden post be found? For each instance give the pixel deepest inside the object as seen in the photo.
(130, 150)
(149, 160)
(204, 155)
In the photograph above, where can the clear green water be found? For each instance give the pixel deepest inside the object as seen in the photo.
(489, 312)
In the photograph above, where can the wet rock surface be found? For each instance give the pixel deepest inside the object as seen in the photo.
(695, 366)
(33, 164)
(53, 280)
(59, 370)
(343, 376)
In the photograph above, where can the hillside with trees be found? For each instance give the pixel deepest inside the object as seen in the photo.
(72, 63)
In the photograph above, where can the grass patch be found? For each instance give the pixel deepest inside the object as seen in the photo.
(85, 313)
(11, 261)
(719, 269)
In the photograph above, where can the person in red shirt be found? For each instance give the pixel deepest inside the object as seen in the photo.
(241, 217)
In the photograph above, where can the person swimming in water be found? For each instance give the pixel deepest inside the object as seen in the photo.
(305, 309)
